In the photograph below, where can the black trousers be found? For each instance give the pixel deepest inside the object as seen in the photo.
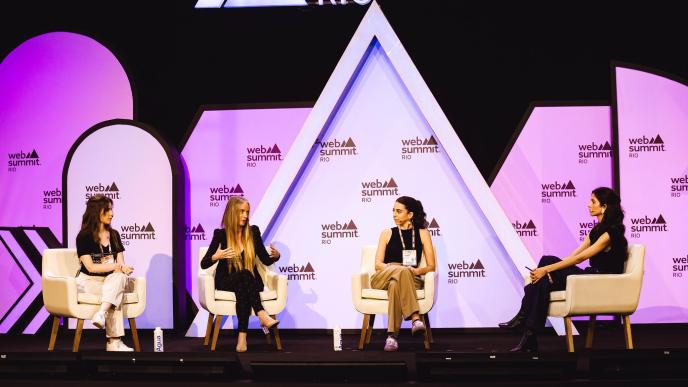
(245, 287)
(535, 303)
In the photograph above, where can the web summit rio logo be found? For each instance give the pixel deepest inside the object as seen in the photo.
(434, 228)
(645, 145)
(465, 270)
(222, 194)
(195, 233)
(378, 188)
(262, 154)
(298, 273)
(338, 230)
(525, 229)
(678, 185)
(585, 228)
(418, 145)
(647, 224)
(111, 191)
(594, 151)
(557, 190)
(50, 197)
(22, 159)
(137, 232)
(680, 266)
(336, 148)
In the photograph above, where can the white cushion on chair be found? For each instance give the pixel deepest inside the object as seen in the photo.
(265, 295)
(379, 294)
(94, 299)
(557, 296)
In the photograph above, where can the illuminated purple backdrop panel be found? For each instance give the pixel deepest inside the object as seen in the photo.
(231, 152)
(652, 116)
(544, 185)
(52, 88)
(378, 146)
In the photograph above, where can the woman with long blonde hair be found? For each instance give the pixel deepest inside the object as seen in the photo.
(235, 247)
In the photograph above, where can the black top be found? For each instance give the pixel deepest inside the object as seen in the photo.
(222, 270)
(393, 249)
(610, 261)
(85, 245)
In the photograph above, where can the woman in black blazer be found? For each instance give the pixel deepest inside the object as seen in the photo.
(236, 247)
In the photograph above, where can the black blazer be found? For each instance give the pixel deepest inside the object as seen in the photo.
(222, 271)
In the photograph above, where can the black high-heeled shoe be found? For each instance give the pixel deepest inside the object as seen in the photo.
(528, 343)
(516, 322)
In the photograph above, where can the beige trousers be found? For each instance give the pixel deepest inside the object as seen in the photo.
(111, 289)
(401, 287)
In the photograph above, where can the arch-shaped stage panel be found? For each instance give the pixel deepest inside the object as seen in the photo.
(129, 163)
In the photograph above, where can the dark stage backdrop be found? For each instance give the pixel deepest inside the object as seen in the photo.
(484, 63)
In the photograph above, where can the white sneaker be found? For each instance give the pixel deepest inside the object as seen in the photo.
(118, 346)
(98, 319)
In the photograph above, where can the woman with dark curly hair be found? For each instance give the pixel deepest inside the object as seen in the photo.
(607, 249)
(399, 251)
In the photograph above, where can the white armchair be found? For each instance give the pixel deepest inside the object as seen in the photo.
(371, 301)
(601, 294)
(220, 303)
(61, 299)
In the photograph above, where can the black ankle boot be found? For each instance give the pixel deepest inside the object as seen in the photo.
(528, 343)
(515, 323)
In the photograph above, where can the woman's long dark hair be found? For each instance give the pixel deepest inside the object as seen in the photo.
(90, 221)
(613, 216)
(415, 206)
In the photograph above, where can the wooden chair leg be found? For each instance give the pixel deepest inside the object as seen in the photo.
(77, 334)
(134, 334)
(364, 329)
(369, 331)
(428, 329)
(216, 331)
(275, 331)
(426, 336)
(591, 332)
(268, 335)
(569, 334)
(627, 331)
(208, 329)
(53, 333)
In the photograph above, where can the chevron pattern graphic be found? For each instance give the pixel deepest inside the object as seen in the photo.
(21, 303)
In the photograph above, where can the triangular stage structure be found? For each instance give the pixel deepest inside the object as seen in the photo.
(374, 28)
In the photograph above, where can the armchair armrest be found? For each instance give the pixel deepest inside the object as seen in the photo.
(140, 290)
(276, 282)
(602, 294)
(359, 282)
(59, 294)
(430, 283)
(272, 279)
(206, 289)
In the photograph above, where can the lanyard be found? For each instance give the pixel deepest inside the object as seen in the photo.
(413, 239)
(102, 252)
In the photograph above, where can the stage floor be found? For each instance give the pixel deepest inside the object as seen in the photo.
(473, 356)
